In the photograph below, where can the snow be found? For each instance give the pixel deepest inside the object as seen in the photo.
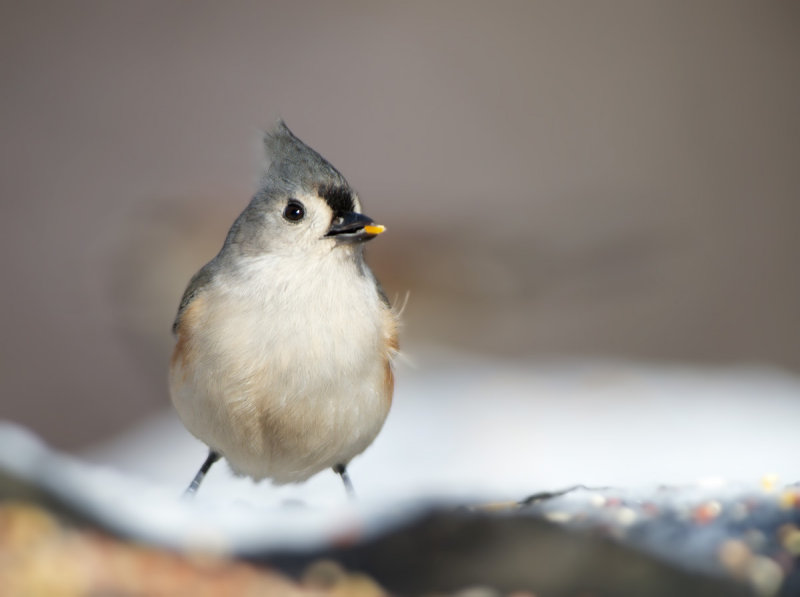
(462, 428)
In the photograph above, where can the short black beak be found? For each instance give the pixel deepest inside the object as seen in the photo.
(352, 227)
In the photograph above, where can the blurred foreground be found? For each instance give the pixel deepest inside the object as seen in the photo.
(683, 497)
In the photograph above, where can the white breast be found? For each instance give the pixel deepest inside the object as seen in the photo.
(286, 366)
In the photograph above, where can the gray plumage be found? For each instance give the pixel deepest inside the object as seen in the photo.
(293, 166)
(285, 340)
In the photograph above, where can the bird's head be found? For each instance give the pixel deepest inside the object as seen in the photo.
(303, 205)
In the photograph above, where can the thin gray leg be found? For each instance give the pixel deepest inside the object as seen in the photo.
(198, 478)
(341, 470)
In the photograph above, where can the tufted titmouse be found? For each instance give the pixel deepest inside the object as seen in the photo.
(285, 340)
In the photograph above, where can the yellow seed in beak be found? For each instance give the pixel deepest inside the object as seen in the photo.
(376, 229)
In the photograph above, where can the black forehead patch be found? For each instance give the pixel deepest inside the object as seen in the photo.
(340, 199)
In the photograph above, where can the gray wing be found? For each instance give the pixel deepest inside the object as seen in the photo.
(196, 285)
(382, 293)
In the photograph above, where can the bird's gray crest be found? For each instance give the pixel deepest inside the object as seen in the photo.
(292, 163)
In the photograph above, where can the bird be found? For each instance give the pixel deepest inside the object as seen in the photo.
(283, 363)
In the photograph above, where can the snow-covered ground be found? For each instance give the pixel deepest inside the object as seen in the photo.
(462, 428)
(469, 426)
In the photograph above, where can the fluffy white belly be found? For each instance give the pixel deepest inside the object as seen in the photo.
(280, 395)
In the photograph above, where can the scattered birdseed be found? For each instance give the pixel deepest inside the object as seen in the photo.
(735, 555)
(769, 481)
(559, 517)
(597, 500)
(707, 512)
(789, 499)
(791, 541)
(626, 516)
(750, 533)
(765, 576)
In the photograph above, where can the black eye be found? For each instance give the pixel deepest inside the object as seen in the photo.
(294, 211)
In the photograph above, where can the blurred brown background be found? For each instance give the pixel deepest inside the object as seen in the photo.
(617, 179)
